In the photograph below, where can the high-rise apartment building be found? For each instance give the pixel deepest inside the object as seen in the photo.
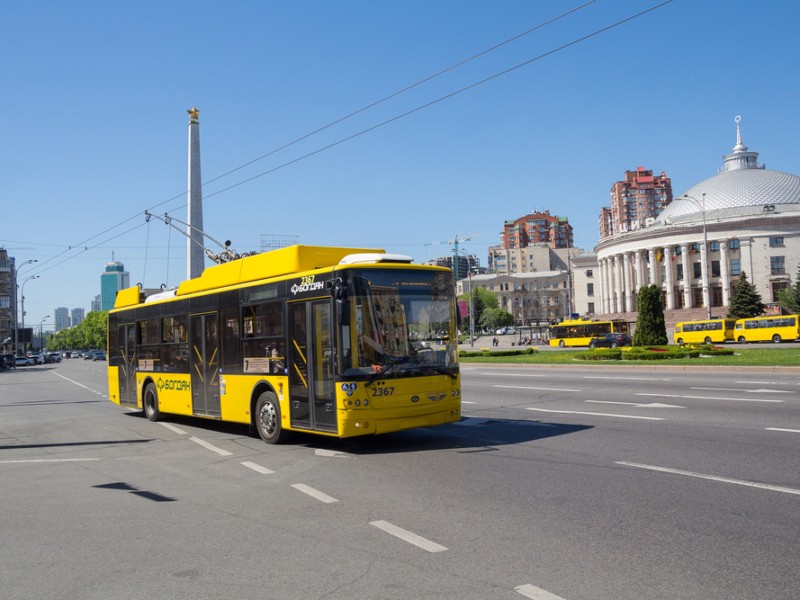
(77, 316)
(636, 201)
(62, 318)
(537, 228)
(6, 294)
(114, 279)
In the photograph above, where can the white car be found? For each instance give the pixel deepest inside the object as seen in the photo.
(505, 330)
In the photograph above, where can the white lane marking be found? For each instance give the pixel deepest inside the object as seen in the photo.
(650, 405)
(334, 453)
(211, 447)
(708, 398)
(407, 536)
(535, 593)
(626, 378)
(761, 391)
(172, 427)
(542, 389)
(515, 374)
(322, 497)
(755, 484)
(596, 414)
(257, 468)
(73, 381)
(781, 429)
(48, 460)
(465, 402)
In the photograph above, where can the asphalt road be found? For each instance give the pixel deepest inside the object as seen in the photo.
(589, 483)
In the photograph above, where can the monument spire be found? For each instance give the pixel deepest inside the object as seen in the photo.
(195, 254)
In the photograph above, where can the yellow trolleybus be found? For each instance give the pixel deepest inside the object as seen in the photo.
(768, 329)
(712, 331)
(333, 341)
(579, 332)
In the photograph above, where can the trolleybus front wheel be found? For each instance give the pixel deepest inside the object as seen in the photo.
(150, 403)
(268, 419)
(776, 338)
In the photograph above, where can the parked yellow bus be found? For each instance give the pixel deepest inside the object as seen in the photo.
(579, 332)
(712, 331)
(768, 329)
(333, 341)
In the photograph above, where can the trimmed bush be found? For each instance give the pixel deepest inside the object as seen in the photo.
(600, 354)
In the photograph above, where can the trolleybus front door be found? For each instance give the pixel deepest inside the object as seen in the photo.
(126, 362)
(313, 398)
(205, 365)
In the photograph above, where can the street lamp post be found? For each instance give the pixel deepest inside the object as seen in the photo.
(22, 293)
(703, 253)
(16, 300)
(471, 304)
(41, 333)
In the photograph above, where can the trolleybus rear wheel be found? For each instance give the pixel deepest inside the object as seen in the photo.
(776, 338)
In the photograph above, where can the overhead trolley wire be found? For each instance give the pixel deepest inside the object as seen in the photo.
(373, 127)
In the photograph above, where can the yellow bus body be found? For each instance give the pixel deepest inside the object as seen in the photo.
(710, 331)
(579, 332)
(372, 405)
(768, 329)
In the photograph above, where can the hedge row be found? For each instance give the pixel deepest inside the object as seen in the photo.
(487, 352)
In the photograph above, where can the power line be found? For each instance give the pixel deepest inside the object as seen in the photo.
(382, 123)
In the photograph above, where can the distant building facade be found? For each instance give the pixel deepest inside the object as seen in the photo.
(114, 278)
(62, 318)
(7, 286)
(750, 217)
(466, 264)
(78, 314)
(636, 201)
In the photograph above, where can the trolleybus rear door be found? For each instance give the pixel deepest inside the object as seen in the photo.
(205, 365)
(313, 398)
(126, 361)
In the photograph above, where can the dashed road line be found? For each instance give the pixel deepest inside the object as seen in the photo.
(322, 497)
(49, 460)
(257, 468)
(407, 536)
(782, 429)
(535, 593)
(538, 389)
(595, 414)
(708, 398)
(172, 427)
(754, 484)
(211, 447)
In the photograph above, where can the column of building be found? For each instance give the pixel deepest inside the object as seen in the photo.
(618, 284)
(669, 277)
(725, 273)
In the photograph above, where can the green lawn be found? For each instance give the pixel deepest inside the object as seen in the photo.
(744, 357)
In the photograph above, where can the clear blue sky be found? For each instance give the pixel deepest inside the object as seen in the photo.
(94, 124)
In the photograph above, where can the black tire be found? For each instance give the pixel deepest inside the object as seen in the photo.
(741, 339)
(267, 418)
(777, 339)
(150, 403)
(680, 341)
(592, 345)
(708, 340)
(614, 345)
(562, 343)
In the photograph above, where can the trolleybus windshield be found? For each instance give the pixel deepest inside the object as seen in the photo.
(395, 323)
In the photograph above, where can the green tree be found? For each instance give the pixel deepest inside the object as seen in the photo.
(494, 318)
(651, 328)
(481, 300)
(91, 333)
(745, 300)
(789, 299)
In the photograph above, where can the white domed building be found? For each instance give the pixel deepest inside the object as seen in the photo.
(745, 219)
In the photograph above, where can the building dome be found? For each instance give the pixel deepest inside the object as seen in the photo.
(741, 183)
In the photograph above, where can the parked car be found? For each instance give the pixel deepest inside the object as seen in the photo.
(505, 330)
(611, 340)
(52, 357)
(23, 361)
(36, 358)
(99, 355)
